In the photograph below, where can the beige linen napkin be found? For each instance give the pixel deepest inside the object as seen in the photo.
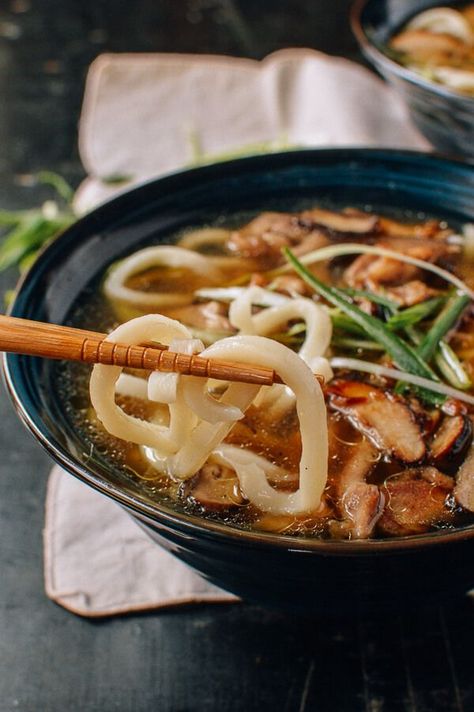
(98, 561)
(145, 115)
(142, 116)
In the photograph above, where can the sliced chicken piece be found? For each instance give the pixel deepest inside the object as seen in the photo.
(387, 421)
(214, 487)
(411, 293)
(266, 235)
(385, 270)
(423, 249)
(206, 315)
(313, 241)
(373, 272)
(292, 285)
(464, 488)
(415, 501)
(358, 272)
(428, 229)
(289, 284)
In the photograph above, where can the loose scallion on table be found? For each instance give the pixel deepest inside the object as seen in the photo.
(28, 236)
(24, 232)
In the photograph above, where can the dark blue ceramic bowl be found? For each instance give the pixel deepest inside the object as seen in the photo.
(445, 117)
(307, 574)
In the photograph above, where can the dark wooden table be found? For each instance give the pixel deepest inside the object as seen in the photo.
(206, 658)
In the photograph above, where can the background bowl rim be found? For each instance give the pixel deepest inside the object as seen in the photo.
(191, 525)
(373, 53)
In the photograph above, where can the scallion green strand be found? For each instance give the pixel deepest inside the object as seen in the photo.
(416, 313)
(445, 321)
(401, 353)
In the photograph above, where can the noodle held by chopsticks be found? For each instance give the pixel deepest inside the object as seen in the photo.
(198, 422)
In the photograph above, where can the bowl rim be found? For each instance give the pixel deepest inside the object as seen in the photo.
(378, 57)
(190, 525)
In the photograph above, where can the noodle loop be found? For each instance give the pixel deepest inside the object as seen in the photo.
(267, 321)
(198, 422)
(166, 256)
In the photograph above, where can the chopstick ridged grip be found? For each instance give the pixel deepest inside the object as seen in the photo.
(34, 338)
(160, 359)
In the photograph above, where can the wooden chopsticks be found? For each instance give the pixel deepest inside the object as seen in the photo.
(35, 338)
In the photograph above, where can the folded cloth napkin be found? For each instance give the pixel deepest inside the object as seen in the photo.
(98, 561)
(145, 115)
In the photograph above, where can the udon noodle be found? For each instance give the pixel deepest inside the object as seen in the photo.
(379, 309)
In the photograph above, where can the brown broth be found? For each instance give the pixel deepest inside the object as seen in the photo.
(279, 442)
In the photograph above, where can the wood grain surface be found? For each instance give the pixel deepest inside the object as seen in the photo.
(53, 341)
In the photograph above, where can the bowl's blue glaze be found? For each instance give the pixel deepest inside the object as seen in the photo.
(300, 573)
(445, 117)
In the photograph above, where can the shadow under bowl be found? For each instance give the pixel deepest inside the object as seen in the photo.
(294, 573)
(444, 117)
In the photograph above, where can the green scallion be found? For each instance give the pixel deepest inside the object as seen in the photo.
(371, 297)
(445, 321)
(416, 313)
(406, 358)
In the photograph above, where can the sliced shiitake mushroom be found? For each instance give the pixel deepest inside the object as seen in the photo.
(451, 441)
(340, 225)
(464, 489)
(415, 500)
(264, 236)
(373, 271)
(363, 505)
(358, 504)
(388, 422)
(214, 487)
(428, 229)
(429, 420)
